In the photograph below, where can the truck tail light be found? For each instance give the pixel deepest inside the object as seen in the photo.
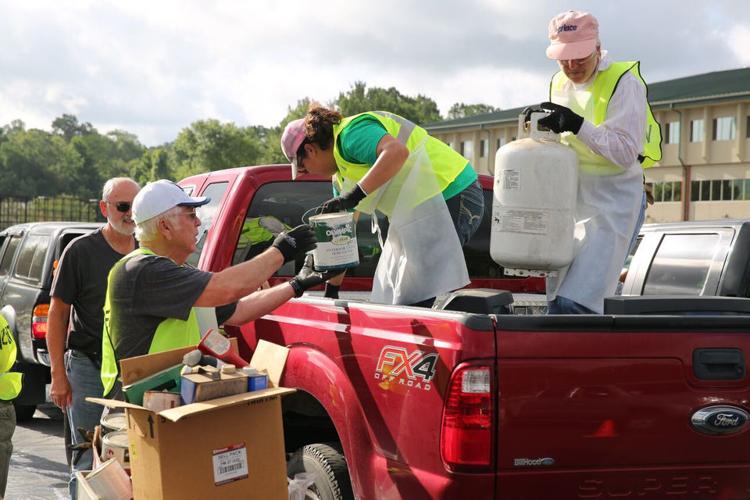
(468, 429)
(39, 321)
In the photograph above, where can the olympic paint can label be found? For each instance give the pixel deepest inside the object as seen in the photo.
(337, 241)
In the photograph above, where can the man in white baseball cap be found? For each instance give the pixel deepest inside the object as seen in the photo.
(155, 302)
(599, 107)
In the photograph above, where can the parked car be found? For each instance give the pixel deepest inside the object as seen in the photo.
(28, 256)
(703, 258)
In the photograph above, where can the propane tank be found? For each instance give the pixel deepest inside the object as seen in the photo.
(533, 209)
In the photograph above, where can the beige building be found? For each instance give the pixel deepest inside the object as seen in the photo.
(705, 125)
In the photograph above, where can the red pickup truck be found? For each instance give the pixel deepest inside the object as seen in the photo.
(480, 400)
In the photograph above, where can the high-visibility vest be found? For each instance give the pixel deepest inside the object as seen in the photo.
(10, 382)
(171, 333)
(602, 89)
(256, 230)
(447, 164)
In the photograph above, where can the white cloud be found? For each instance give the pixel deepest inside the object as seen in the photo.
(154, 67)
(738, 41)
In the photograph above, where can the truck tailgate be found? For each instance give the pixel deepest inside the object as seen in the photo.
(603, 407)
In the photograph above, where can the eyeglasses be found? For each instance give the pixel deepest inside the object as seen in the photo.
(121, 206)
(578, 62)
(192, 215)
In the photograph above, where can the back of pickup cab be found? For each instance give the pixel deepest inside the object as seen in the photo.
(433, 404)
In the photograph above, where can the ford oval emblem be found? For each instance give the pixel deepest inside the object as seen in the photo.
(719, 420)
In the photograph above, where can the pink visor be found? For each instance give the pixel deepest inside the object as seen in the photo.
(291, 140)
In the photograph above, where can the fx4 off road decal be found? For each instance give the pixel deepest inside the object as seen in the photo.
(399, 367)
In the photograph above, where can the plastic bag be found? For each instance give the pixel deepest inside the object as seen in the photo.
(298, 486)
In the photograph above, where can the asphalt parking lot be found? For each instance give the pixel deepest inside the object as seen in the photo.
(37, 466)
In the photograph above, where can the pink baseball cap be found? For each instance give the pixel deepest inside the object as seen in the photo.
(572, 35)
(291, 140)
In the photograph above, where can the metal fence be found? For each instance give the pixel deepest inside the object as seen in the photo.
(15, 210)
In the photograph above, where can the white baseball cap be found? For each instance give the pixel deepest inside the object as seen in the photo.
(157, 197)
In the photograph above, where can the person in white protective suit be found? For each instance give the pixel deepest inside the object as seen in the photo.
(600, 107)
(430, 193)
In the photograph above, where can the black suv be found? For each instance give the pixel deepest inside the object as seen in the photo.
(28, 256)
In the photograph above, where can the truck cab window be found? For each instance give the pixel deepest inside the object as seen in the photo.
(681, 264)
(278, 206)
(207, 214)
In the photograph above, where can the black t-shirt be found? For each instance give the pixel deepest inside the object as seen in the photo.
(146, 290)
(81, 281)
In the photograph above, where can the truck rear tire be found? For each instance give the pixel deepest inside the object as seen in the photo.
(24, 413)
(327, 463)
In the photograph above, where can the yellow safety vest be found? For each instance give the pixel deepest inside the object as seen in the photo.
(447, 164)
(602, 89)
(172, 333)
(10, 382)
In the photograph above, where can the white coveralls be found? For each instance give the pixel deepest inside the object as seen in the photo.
(608, 205)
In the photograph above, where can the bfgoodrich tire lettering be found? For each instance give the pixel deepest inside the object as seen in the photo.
(327, 463)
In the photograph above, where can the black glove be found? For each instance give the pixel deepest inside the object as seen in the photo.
(296, 241)
(308, 277)
(528, 110)
(343, 202)
(562, 119)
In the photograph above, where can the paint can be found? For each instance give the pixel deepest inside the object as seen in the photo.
(112, 422)
(115, 445)
(337, 241)
(157, 401)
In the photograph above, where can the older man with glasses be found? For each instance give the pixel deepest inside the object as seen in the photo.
(600, 108)
(80, 284)
(156, 302)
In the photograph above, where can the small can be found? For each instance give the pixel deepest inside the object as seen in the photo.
(337, 241)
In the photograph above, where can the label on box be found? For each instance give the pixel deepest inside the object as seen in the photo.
(230, 464)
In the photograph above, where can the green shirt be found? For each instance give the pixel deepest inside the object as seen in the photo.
(359, 140)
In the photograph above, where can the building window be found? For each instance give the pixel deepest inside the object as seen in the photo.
(483, 148)
(747, 127)
(672, 133)
(467, 149)
(705, 190)
(501, 142)
(450, 145)
(738, 189)
(668, 191)
(725, 128)
(695, 190)
(696, 130)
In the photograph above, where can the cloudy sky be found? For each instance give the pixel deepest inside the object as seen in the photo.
(154, 67)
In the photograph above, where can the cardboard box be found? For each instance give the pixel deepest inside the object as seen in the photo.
(231, 447)
(200, 386)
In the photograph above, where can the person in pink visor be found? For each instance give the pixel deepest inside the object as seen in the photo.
(601, 110)
(430, 193)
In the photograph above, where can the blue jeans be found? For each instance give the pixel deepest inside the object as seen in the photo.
(85, 380)
(639, 223)
(7, 428)
(467, 209)
(561, 305)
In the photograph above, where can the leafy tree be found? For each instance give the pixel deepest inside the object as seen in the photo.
(68, 127)
(35, 163)
(208, 145)
(461, 110)
(359, 98)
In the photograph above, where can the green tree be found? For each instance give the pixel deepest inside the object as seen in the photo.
(461, 110)
(208, 145)
(359, 98)
(35, 162)
(68, 127)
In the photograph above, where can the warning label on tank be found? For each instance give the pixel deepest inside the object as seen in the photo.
(511, 179)
(520, 221)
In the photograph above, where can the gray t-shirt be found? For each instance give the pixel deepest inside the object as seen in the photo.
(81, 281)
(146, 290)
